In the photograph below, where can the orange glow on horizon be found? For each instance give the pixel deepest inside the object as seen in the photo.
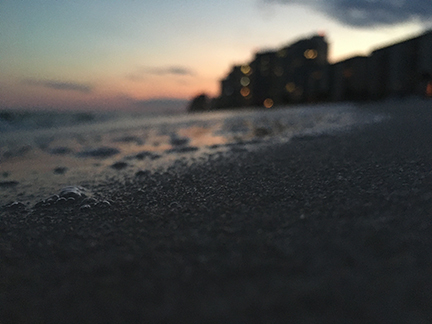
(115, 93)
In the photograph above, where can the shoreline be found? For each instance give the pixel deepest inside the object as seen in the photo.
(40, 162)
(321, 229)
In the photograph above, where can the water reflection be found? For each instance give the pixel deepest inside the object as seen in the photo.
(38, 162)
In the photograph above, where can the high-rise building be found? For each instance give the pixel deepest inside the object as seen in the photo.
(235, 88)
(264, 76)
(300, 72)
(304, 67)
(292, 74)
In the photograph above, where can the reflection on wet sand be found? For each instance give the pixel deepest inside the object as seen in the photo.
(40, 162)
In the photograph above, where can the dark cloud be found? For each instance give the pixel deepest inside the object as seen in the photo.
(60, 85)
(369, 13)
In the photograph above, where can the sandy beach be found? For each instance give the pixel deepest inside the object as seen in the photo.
(331, 228)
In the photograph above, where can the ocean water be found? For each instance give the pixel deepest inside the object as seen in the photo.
(42, 152)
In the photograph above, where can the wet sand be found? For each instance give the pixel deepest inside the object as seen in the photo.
(35, 163)
(327, 229)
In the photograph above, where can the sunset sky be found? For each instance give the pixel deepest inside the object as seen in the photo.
(110, 54)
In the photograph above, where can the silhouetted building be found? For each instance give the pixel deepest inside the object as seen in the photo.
(350, 79)
(303, 71)
(300, 72)
(425, 64)
(264, 76)
(403, 74)
(378, 71)
(292, 74)
(235, 90)
(401, 69)
(199, 103)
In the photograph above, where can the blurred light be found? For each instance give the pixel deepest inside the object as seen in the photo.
(246, 69)
(290, 87)
(311, 54)
(429, 89)
(245, 91)
(245, 81)
(268, 103)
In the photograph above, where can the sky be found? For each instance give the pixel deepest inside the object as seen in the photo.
(142, 54)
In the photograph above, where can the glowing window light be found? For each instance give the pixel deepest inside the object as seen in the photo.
(268, 103)
(245, 91)
(311, 54)
(246, 69)
(429, 89)
(245, 81)
(290, 87)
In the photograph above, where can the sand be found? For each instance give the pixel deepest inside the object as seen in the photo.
(327, 229)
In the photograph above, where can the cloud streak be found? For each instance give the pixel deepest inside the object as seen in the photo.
(369, 13)
(160, 71)
(60, 85)
(177, 70)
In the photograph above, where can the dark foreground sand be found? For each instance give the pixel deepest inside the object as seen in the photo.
(330, 229)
